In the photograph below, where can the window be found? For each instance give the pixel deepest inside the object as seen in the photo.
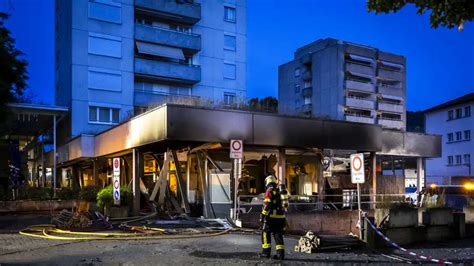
(467, 134)
(458, 113)
(229, 14)
(467, 159)
(450, 115)
(103, 115)
(229, 42)
(450, 160)
(458, 159)
(297, 88)
(107, 45)
(108, 11)
(297, 72)
(450, 137)
(467, 111)
(229, 71)
(458, 136)
(307, 100)
(104, 79)
(229, 98)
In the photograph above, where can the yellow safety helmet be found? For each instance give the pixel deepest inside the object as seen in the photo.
(270, 179)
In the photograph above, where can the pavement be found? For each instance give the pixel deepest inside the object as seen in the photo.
(228, 249)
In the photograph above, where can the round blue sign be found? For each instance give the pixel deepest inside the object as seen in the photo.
(117, 195)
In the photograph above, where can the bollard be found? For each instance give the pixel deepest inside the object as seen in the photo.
(459, 224)
(369, 236)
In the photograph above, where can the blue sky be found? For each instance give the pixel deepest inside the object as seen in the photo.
(440, 63)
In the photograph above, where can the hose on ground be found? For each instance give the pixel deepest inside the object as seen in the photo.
(48, 231)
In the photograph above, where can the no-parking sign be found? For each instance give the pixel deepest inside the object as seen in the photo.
(116, 180)
(236, 149)
(357, 168)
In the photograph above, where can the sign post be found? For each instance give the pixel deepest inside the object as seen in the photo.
(358, 177)
(236, 154)
(116, 180)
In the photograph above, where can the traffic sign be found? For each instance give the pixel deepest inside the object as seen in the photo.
(116, 180)
(357, 168)
(236, 149)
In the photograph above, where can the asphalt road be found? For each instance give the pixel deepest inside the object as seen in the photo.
(229, 249)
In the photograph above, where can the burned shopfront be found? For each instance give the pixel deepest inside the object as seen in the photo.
(176, 158)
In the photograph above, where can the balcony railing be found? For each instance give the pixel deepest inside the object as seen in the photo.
(391, 123)
(179, 11)
(359, 103)
(168, 71)
(391, 107)
(359, 118)
(359, 86)
(151, 98)
(168, 37)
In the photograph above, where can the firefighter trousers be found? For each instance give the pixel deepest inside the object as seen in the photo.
(275, 227)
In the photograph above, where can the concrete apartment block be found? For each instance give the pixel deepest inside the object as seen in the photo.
(115, 58)
(340, 80)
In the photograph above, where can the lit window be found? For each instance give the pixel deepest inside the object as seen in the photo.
(458, 159)
(103, 115)
(450, 137)
(297, 72)
(467, 134)
(229, 42)
(458, 136)
(467, 159)
(229, 14)
(450, 160)
(297, 88)
(229, 71)
(229, 98)
(467, 111)
(458, 113)
(450, 115)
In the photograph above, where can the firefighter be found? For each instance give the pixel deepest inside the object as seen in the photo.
(273, 220)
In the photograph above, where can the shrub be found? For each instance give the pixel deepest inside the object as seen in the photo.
(89, 193)
(66, 193)
(5, 194)
(105, 197)
(34, 193)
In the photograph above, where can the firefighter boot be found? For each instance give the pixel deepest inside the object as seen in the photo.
(280, 255)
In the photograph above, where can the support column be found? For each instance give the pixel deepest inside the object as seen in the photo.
(137, 170)
(95, 171)
(373, 173)
(319, 164)
(54, 156)
(281, 166)
(419, 170)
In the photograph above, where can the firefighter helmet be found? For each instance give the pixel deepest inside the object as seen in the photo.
(270, 179)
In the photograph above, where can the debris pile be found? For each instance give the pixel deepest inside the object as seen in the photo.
(311, 242)
(80, 220)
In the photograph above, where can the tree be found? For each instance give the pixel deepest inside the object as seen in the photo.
(447, 13)
(13, 74)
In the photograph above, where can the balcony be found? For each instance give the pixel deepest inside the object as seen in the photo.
(308, 92)
(359, 86)
(357, 68)
(391, 90)
(168, 37)
(360, 119)
(307, 108)
(389, 123)
(168, 71)
(360, 103)
(307, 75)
(148, 98)
(385, 106)
(179, 11)
(389, 74)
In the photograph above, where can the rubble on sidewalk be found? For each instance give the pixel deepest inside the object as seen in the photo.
(311, 243)
(81, 220)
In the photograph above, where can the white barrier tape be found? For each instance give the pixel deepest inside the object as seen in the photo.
(440, 261)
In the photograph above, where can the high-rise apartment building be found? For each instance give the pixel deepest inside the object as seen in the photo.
(115, 57)
(344, 81)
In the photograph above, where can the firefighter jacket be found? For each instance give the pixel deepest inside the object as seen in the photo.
(272, 204)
